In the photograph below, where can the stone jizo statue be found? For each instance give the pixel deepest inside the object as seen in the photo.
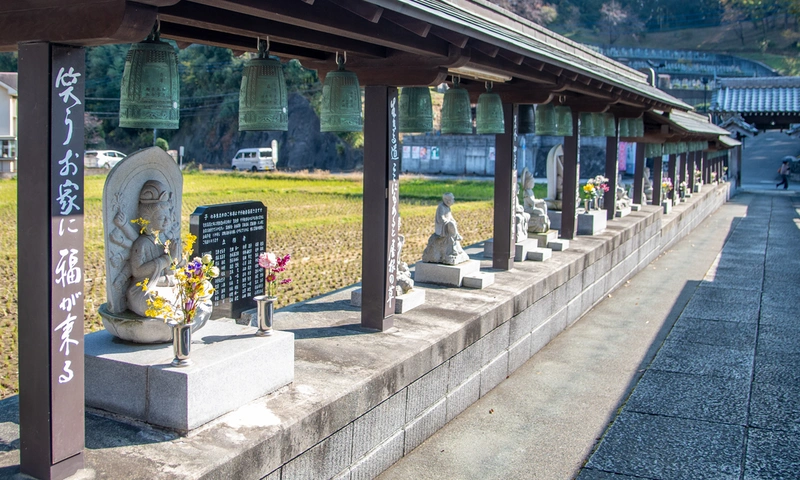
(403, 281)
(622, 199)
(146, 185)
(538, 221)
(647, 185)
(444, 246)
(555, 178)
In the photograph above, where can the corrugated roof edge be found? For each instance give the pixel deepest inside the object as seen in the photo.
(615, 72)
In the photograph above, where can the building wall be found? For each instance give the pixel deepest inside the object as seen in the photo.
(6, 115)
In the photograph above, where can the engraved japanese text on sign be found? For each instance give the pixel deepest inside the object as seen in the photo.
(393, 196)
(66, 212)
(234, 234)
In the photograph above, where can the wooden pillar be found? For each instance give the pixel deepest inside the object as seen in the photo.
(612, 173)
(738, 161)
(672, 171)
(705, 168)
(638, 175)
(50, 259)
(690, 168)
(381, 199)
(505, 181)
(658, 175)
(572, 167)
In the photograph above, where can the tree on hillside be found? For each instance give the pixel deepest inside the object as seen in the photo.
(616, 20)
(534, 10)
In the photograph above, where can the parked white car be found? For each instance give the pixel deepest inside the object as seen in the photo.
(255, 159)
(102, 158)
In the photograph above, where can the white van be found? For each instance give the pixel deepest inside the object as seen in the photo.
(255, 159)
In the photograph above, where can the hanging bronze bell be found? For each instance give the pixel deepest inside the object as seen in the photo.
(526, 121)
(564, 127)
(263, 101)
(625, 127)
(652, 150)
(489, 113)
(150, 88)
(415, 110)
(610, 123)
(546, 120)
(456, 111)
(638, 127)
(588, 125)
(341, 102)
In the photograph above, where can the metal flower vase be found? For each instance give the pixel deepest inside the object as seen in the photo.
(266, 311)
(182, 343)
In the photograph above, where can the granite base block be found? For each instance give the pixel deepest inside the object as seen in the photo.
(635, 207)
(544, 238)
(478, 280)
(522, 248)
(448, 275)
(667, 206)
(592, 222)
(540, 254)
(402, 303)
(138, 381)
(622, 212)
(558, 245)
(407, 301)
(488, 248)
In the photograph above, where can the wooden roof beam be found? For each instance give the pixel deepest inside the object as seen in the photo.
(183, 33)
(512, 57)
(454, 38)
(318, 17)
(512, 92)
(413, 25)
(483, 47)
(367, 11)
(209, 18)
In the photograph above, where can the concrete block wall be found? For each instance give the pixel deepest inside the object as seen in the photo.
(377, 438)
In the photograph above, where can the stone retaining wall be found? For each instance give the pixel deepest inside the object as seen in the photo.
(522, 325)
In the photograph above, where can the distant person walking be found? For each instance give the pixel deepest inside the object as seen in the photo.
(783, 171)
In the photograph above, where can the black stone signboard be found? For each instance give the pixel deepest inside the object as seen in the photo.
(234, 234)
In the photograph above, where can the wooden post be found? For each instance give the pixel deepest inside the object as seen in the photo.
(672, 171)
(572, 167)
(381, 198)
(658, 175)
(50, 259)
(612, 173)
(638, 175)
(505, 181)
(690, 168)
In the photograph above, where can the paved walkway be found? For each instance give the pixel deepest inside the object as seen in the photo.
(694, 363)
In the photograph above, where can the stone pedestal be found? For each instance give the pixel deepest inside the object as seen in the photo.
(697, 188)
(137, 381)
(402, 303)
(488, 248)
(558, 245)
(540, 254)
(622, 212)
(635, 207)
(667, 206)
(479, 280)
(441, 274)
(592, 222)
(555, 219)
(544, 238)
(522, 248)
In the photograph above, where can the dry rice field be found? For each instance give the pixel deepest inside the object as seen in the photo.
(314, 217)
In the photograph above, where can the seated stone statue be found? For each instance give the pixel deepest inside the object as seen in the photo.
(622, 199)
(647, 185)
(149, 259)
(444, 246)
(148, 185)
(538, 221)
(403, 281)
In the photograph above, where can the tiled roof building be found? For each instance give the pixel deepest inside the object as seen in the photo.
(767, 102)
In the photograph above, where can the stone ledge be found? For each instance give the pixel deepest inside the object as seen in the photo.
(343, 371)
